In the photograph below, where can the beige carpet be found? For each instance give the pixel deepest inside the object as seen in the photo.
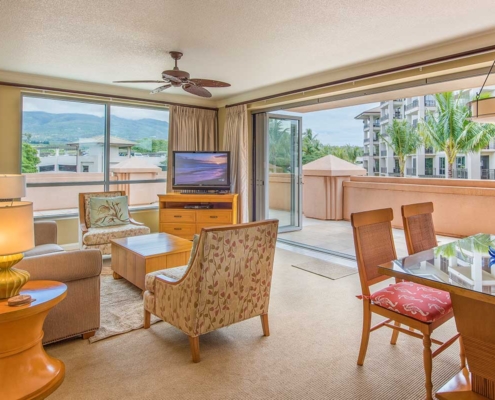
(315, 329)
(326, 269)
(121, 307)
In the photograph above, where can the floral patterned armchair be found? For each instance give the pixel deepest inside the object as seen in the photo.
(99, 238)
(228, 281)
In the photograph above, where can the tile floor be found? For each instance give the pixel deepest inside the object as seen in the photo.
(337, 235)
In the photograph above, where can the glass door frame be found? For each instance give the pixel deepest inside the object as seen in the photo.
(261, 196)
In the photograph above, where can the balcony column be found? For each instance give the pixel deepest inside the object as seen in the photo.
(473, 165)
(420, 161)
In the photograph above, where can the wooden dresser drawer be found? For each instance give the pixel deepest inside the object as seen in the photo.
(218, 217)
(183, 230)
(177, 215)
(200, 226)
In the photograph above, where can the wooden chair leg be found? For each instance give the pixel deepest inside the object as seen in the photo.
(428, 364)
(264, 324)
(87, 335)
(194, 344)
(365, 335)
(395, 334)
(462, 353)
(147, 319)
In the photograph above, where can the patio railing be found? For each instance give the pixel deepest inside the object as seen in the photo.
(412, 105)
(488, 174)
(461, 173)
(383, 152)
(411, 171)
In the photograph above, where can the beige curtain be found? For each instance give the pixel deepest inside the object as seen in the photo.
(236, 141)
(190, 129)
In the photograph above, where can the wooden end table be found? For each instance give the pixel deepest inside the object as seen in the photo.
(26, 371)
(136, 256)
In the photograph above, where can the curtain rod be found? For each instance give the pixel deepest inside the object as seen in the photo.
(431, 61)
(51, 89)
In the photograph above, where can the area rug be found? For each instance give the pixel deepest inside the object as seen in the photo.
(326, 269)
(121, 307)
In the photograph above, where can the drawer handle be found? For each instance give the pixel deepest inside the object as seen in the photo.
(177, 216)
(177, 229)
(213, 216)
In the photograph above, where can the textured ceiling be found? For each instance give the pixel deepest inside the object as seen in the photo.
(249, 43)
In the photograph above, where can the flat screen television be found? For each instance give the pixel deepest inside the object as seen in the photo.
(201, 170)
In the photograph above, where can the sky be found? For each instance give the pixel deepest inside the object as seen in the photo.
(336, 127)
(66, 107)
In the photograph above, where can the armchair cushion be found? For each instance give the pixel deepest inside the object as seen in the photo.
(45, 232)
(97, 236)
(108, 211)
(175, 273)
(414, 300)
(43, 249)
(84, 206)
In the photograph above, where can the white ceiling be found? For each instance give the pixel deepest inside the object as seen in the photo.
(248, 43)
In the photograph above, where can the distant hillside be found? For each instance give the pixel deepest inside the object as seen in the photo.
(70, 127)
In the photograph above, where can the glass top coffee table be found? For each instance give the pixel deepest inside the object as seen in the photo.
(466, 269)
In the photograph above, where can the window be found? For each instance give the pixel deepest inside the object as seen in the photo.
(65, 144)
(441, 161)
(461, 162)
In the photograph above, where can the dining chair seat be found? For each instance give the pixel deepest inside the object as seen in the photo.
(417, 301)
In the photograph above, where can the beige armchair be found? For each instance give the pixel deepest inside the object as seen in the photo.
(99, 238)
(45, 239)
(228, 281)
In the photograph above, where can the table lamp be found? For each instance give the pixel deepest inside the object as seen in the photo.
(16, 233)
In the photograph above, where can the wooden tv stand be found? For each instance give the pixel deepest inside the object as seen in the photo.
(179, 221)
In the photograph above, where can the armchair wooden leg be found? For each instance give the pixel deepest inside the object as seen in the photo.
(395, 334)
(462, 354)
(264, 324)
(194, 344)
(147, 319)
(116, 276)
(365, 335)
(427, 360)
(87, 335)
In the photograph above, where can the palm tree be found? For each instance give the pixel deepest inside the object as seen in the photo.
(450, 130)
(352, 153)
(403, 139)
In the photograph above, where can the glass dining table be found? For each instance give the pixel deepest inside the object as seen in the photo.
(466, 269)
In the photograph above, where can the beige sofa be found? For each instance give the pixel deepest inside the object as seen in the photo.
(79, 313)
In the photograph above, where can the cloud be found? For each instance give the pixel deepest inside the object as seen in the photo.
(336, 127)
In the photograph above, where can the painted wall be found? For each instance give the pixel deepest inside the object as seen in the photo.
(10, 130)
(462, 207)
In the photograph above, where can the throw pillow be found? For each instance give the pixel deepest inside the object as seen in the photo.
(108, 211)
(193, 250)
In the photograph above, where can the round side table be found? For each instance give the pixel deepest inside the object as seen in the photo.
(26, 371)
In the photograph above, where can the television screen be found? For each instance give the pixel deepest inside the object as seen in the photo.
(201, 169)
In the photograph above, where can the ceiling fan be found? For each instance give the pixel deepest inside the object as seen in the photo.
(176, 78)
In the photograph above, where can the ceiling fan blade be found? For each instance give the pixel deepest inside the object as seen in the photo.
(160, 89)
(209, 83)
(138, 81)
(171, 78)
(197, 90)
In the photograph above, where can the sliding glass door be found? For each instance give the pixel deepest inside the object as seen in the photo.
(278, 190)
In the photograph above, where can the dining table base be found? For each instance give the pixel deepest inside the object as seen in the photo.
(459, 388)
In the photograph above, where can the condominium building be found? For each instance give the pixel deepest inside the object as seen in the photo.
(379, 159)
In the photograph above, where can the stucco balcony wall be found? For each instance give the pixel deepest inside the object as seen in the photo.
(462, 207)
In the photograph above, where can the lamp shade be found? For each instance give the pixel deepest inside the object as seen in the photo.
(16, 227)
(483, 110)
(12, 186)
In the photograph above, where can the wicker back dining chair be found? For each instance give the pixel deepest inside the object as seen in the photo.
(418, 227)
(418, 307)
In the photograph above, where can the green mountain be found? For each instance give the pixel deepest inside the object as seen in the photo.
(63, 128)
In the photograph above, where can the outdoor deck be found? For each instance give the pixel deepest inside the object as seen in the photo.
(337, 235)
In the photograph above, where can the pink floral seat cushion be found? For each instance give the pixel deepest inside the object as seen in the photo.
(420, 302)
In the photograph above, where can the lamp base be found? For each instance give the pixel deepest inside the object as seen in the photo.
(11, 279)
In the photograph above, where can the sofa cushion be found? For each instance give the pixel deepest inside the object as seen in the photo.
(96, 236)
(413, 300)
(174, 273)
(43, 249)
(108, 211)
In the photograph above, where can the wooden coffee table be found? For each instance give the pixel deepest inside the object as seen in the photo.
(136, 256)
